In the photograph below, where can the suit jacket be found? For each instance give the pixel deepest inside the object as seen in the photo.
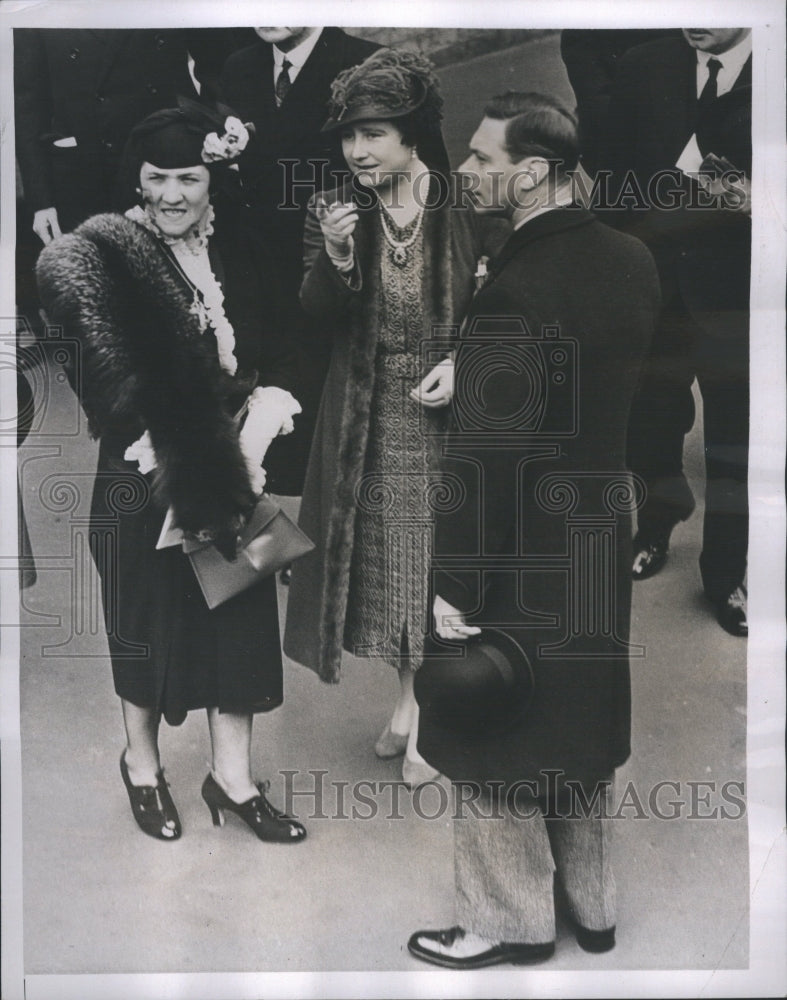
(591, 58)
(291, 132)
(95, 86)
(546, 367)
(704, 253)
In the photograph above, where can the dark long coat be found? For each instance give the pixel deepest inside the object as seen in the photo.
(288, 160)
(350, 315)
(538, 541)
(144, 365)
(95, 86)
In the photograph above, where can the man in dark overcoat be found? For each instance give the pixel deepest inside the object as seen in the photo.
(535, 546)
(677, 104)
(281, 83)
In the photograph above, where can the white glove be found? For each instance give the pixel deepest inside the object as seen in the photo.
(271, 410)
(142, 451)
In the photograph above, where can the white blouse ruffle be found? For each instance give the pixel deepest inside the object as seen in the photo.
(191, 253)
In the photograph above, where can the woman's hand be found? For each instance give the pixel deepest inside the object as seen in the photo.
(450, 623)
(437, 389)
(337, 222)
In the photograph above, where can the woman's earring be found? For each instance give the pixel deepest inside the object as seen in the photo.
(414, 153)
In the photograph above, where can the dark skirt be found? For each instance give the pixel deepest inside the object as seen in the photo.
(168, 649)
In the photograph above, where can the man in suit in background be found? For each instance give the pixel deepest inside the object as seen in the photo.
(282, 83)
(681, 111)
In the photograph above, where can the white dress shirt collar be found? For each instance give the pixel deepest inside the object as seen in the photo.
(295, 57)
(732, 62)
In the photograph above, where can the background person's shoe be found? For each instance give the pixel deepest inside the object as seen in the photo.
(649, 556)
(454, 948)
(731, 612)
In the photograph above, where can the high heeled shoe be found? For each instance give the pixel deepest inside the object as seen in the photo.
(390, 744)
(257, 813)
(417, 772)
(152, 806)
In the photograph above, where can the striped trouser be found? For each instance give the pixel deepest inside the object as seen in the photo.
(504, 867)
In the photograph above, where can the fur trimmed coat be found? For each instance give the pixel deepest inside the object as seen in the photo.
(145, 365)
(317, 603)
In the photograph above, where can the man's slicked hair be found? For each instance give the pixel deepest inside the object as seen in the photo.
(537, 125)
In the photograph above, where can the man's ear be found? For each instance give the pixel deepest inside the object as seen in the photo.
(537, 169)
(531, 172)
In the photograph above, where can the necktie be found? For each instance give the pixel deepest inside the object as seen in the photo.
(283, 82)
(711, 89)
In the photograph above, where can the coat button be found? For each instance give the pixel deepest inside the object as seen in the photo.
(152, 89)
(159, 42)
(106, 144)
(73, 54)
(100, 98)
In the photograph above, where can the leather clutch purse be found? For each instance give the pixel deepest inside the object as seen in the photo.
(269, 542)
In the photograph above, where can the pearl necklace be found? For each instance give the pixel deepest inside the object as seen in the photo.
(400, 247)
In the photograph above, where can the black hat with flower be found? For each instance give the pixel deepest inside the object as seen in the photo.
(186, 136)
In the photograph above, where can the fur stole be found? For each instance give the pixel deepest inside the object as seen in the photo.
(146, 365)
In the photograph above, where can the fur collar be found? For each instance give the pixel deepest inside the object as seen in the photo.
(145, 365)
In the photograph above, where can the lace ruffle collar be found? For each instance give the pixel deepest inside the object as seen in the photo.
(195, 240)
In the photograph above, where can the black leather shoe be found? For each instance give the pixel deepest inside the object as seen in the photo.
(594, 941)
(257, 813)
(436, 947)
(731, 612)
(152, 806)
(649, 557)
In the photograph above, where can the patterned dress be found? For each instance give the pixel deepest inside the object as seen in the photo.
(387, 606)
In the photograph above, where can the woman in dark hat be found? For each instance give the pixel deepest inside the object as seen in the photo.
(389, 265)
(174, 306)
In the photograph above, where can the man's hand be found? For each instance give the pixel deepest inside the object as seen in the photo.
(731, 191)
(437, 389)
(450, 623)
(45, 225)
(737, 196)
(338, 223)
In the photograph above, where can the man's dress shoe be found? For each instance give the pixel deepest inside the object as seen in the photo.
(649, 557)
(450, 949)
(731, 612)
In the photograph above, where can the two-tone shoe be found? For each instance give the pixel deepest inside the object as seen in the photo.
(454, 948)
